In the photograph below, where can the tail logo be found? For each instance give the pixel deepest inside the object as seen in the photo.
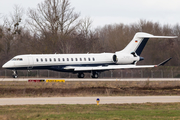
(136, 41)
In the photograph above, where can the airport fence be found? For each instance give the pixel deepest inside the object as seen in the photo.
(134, 73)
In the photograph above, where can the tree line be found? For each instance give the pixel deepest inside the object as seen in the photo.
(55, 27)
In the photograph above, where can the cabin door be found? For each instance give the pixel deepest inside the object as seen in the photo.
(30, 62)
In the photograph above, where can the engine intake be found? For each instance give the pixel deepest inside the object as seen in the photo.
(115, 59)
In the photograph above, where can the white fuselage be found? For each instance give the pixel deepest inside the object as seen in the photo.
(59, 61)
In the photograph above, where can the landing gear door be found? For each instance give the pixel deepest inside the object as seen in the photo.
(30, 62)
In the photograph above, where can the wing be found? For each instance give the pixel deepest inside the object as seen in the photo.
(112, 67)
(103, 68)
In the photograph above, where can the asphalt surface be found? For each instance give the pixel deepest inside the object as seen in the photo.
(89, 100)
(83, 79)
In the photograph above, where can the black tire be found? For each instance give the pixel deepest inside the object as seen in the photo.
(81, 75)
(95, 75)
(15, 76)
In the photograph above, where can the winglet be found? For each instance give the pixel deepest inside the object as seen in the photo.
(164, 62)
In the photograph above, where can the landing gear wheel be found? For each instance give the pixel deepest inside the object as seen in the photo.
(14, 75)
(95, 75)
(80, 75)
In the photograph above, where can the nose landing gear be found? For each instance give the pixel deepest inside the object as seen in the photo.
(14, 74)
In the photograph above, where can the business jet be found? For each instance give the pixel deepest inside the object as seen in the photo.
(91, 63)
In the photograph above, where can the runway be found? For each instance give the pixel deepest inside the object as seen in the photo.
(89, 100)
(88, 80)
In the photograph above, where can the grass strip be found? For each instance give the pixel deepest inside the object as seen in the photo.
(149, 111)
(116, 88)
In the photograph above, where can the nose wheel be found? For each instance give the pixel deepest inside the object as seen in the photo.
(14, 75)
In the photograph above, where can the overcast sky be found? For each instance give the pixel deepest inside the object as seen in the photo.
(113, 11)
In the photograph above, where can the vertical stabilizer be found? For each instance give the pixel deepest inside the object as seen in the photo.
(139, 41)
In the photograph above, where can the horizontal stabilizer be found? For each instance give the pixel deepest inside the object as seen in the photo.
(146, 35)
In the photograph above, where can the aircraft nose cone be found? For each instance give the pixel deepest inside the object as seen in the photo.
(8, 65)
(5, 65)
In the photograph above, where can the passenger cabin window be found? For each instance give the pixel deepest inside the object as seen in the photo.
(46, 59)
(84, 59)
(71, 59)
(54, 59)
(50, 59)
(58, 59)
(37, 60)
(67, 59)
(41, 60)
(76, 59)
(89, 59)
(80, 59)
(93, 59)
(63, 59)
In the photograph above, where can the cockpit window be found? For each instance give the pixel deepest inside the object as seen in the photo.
(17, 59)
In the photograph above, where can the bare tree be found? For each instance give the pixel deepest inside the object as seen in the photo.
(176, 48)
(85, 27)
(11, 31)
(54, 20)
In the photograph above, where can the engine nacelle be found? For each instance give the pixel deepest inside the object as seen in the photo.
(125, 58)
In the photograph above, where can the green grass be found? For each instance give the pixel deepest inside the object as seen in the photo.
(148, 111)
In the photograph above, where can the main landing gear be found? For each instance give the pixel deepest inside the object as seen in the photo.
(14, 74)
(80, 75)
(94, 74)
